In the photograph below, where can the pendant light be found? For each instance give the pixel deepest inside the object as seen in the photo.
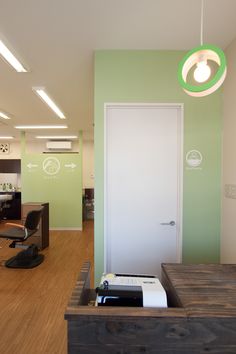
(199, 58)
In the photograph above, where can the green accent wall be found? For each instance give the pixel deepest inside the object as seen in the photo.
(55, 178)
(151, 76)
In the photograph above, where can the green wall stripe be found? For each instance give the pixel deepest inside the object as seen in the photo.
(57, 179)
(151, 76)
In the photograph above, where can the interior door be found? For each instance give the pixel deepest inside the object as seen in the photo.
(142, 187)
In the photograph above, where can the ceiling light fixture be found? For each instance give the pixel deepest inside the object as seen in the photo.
(40, 127)
(56, 137)
(11, 59)
(6, 137)
(4, 115)
(202, 71)
(199, 58)
(40, 91)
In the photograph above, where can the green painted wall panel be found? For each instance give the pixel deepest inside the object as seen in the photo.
(151, 76)
(57, 179)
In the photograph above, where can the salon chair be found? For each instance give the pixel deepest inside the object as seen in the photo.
(18, 233)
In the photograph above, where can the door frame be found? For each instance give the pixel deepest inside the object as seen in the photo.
(180, 142)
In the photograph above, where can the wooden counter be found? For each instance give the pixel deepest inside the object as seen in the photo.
(201, 317)
(211, 286)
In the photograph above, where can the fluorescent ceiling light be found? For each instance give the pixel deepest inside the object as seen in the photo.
(6, 137)
(44, 96)
(56, 137)
(4, 115)
(41, 127)
(11, 59)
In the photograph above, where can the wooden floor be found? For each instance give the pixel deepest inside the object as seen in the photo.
(33, 301)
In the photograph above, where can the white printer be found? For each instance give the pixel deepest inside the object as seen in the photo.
(130, 290)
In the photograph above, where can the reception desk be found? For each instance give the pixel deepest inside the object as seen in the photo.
(201, 317)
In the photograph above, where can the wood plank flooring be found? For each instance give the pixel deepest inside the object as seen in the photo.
(33, 301)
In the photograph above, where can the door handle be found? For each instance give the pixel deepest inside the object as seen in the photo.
(171, 223)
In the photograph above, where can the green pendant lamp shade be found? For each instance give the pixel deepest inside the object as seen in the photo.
(192, 58)
(199, 58)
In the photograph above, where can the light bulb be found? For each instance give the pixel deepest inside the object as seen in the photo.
(202, 71)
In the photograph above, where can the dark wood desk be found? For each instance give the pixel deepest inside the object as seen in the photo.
(202, 286)
(201, 317)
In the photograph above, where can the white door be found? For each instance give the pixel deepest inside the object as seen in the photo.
(142, 187)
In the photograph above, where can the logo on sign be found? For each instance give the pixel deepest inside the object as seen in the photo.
(51, 166)
(194, 158)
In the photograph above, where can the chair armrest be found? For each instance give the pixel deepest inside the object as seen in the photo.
(14, 224)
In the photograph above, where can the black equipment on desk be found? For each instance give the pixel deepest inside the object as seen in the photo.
(119, 295)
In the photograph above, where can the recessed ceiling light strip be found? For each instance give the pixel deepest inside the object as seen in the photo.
(4, 115)
(44, 96)
(56, 137)
(22, 127)
(11, 59)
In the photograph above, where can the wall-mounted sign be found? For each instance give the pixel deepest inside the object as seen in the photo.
(70, 165)
(51, 166)
(194, 158)
(31, 165)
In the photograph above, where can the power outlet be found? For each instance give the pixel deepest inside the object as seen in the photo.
(230, 191)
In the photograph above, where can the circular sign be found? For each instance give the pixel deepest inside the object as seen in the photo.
(194, 158)
(51, 165)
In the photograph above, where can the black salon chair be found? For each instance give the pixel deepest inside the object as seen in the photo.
(29, 257)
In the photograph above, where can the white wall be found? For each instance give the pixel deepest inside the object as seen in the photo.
(228, 234)
(88, 164)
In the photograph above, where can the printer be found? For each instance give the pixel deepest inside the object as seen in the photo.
(130, 290)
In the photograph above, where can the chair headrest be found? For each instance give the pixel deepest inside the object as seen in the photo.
(32, 219)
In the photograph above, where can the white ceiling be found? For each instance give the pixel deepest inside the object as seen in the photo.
(56, 40)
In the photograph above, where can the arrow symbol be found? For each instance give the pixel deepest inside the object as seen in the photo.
(71, 165)
(30, 165)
